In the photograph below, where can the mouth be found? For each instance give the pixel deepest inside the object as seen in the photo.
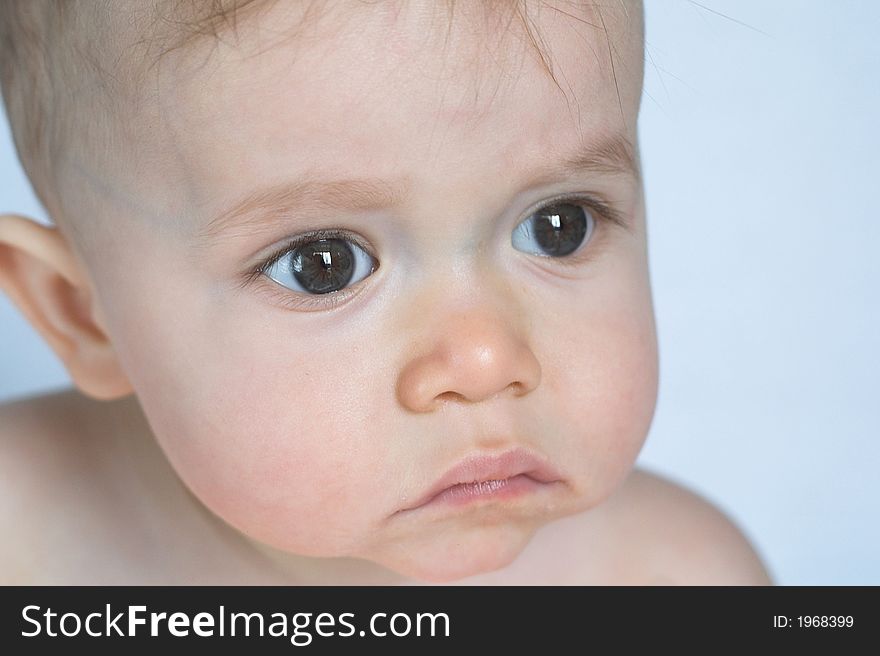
(488, 476)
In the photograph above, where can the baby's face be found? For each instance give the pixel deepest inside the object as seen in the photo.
(459, 286)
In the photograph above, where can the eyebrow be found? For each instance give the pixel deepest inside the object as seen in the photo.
(614, 156)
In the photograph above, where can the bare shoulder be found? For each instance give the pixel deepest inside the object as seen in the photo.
(47, 474)
(35, 436)
(86, 497)
(685, 539)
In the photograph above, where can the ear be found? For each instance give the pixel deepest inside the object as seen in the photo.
(40, 273)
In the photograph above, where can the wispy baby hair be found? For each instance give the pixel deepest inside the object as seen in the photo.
(71, 69)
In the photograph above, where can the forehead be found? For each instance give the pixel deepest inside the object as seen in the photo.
(398, 90)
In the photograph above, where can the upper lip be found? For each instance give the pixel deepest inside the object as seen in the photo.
(479, 467)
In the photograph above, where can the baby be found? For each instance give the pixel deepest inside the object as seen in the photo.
(351, 293)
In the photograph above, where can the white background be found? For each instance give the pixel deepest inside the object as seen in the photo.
(760, 148)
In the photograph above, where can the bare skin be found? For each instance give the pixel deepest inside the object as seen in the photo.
(94, 501)
(252, 430)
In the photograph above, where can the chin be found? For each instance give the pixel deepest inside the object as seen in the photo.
(448, 559)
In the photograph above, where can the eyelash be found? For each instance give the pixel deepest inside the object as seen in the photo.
(304, 302)
(292, 300)
(601, 210)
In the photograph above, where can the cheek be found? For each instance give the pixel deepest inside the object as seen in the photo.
(266, 428)
(604, 378)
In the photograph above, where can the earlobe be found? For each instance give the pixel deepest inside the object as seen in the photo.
(40, 273)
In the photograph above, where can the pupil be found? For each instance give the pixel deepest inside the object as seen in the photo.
(560, 229)
(323, 266)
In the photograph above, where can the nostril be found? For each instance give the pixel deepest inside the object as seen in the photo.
(516, 389)
(450, 396)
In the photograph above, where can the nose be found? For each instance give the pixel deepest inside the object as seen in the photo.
(472, 356)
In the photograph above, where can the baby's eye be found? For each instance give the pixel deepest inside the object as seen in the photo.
(555, 230)
(321, 266)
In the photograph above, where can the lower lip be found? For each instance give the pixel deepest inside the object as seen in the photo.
(464, 493)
